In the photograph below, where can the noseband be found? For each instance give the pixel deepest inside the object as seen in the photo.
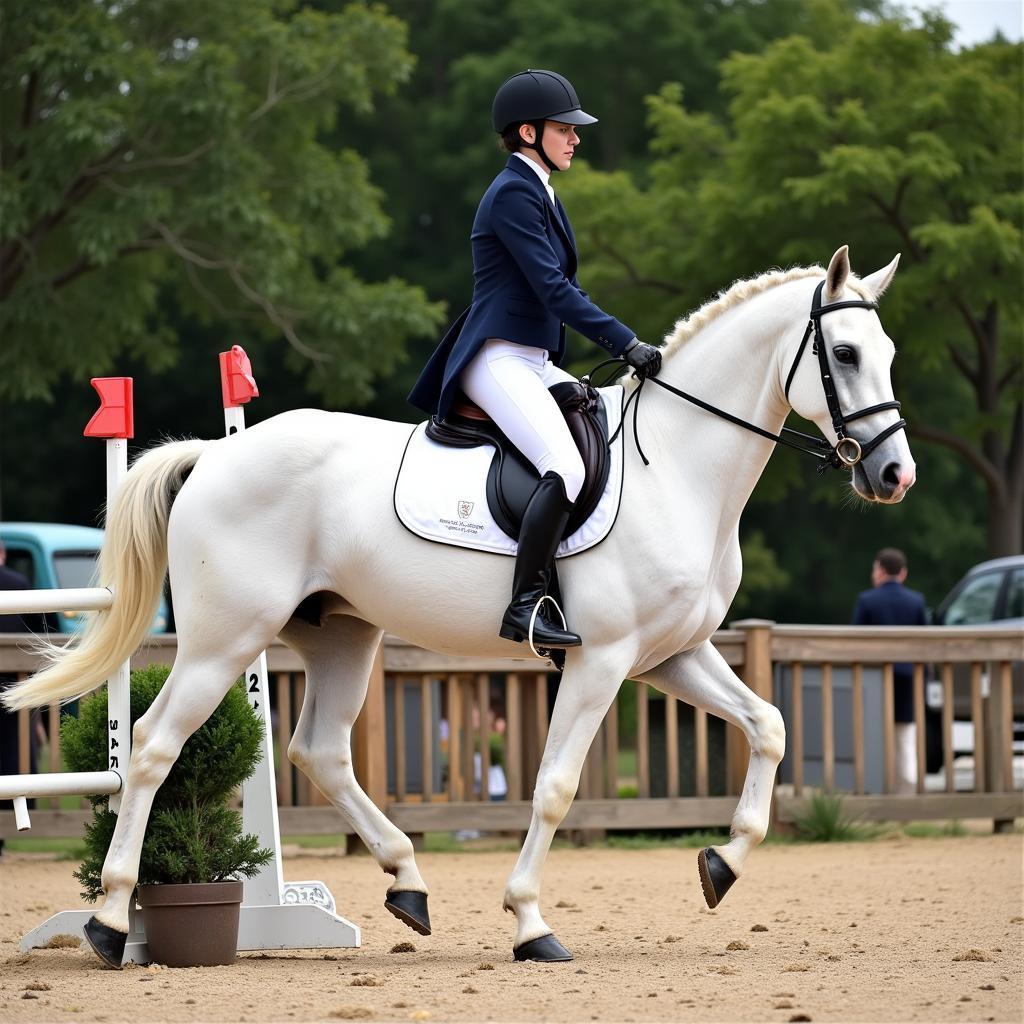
(845, 453)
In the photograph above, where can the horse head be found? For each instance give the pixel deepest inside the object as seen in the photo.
(852, 357)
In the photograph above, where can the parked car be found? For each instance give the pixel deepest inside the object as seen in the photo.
(60, 556)
(989, 592)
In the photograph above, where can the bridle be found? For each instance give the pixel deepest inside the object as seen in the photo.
(846, 452)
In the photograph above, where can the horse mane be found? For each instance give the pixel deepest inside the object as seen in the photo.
(728, 298)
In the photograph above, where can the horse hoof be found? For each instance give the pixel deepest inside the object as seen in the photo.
(411, 908)
(107, 943)
(546, 950)
(716, 877)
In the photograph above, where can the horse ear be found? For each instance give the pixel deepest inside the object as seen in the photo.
(877, 282)
(838, 272)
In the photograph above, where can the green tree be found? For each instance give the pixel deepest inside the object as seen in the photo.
(439, 130)
(173, 148)
(882, 137)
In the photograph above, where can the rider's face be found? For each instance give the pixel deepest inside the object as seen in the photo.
(560, 141)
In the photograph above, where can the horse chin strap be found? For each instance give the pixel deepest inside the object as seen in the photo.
(844, 454)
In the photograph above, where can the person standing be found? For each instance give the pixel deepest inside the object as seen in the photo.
(890, 603)
(504, 352)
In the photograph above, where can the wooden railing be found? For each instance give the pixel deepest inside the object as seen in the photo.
(451, 713)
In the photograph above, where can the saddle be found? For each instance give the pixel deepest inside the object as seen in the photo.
(511, 478)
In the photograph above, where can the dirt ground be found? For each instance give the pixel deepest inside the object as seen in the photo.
(891, 930)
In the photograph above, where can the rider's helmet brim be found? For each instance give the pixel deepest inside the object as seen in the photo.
(577, 117)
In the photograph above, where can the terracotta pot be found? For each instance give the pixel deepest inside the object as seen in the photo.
(192, 925)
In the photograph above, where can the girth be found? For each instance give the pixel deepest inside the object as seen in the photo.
(511, 478)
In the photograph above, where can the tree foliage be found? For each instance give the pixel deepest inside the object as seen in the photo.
(883, 138)
(614, 53)
(174, 148)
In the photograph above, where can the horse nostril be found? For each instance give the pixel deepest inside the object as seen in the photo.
(891, 475)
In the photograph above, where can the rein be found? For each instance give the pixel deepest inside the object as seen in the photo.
(844, 454)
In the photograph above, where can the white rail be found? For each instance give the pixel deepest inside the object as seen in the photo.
(59, 784)
(34, 602)
(22, 788)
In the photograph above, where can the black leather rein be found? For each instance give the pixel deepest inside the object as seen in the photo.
(845, 453)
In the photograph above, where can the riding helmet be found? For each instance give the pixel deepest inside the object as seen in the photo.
(534, 95)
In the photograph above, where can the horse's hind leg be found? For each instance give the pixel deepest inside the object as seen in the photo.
(339, 657)
(193, 690)
(701, 677)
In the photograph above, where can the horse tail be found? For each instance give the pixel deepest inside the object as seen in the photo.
(132, 564)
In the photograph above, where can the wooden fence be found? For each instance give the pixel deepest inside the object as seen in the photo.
(433, 726)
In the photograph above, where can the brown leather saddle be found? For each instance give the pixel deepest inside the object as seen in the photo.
(511, 479)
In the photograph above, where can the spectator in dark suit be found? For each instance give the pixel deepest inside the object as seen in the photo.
(11, 580)
(890, 603)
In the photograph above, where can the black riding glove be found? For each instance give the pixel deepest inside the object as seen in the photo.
(645, 359)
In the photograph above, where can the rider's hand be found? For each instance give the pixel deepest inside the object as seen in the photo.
(645, 359)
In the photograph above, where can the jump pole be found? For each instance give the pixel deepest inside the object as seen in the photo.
(275, 914)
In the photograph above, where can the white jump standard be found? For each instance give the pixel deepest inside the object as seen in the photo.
(274, 914)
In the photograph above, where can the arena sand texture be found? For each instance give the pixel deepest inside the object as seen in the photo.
(889, 930)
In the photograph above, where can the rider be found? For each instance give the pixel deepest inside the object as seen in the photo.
(504, 351)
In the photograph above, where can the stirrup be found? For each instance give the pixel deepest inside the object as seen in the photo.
(533, 620)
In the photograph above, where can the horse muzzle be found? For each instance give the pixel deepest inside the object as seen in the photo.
(887, 486)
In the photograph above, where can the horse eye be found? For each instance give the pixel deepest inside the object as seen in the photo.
(845, 354)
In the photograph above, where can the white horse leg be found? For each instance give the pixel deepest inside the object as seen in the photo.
(190, 695)
(339, 656)
(585, 693)
(701, 677)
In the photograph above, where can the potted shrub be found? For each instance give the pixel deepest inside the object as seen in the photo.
(194, 850)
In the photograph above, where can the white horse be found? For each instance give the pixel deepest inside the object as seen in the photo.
(301, 506)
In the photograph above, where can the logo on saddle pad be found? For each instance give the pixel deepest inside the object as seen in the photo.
(465, 509)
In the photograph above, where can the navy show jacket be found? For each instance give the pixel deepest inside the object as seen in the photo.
(524, 286)
(892, 604)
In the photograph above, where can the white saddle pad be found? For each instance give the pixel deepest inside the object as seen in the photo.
(441, 493)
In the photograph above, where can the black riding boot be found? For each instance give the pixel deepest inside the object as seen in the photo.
(543, 522)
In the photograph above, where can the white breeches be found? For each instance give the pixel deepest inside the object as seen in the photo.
(906, 758)
(510, 383)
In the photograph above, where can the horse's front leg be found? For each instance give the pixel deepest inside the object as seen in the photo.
(588, 686)
(701, 677)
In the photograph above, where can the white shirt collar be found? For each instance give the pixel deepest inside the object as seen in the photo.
(541, 172)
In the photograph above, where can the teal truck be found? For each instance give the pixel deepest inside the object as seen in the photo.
(60, 556)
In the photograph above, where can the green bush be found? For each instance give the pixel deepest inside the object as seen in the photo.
(192, 835)
(216, 759)
(825, 822)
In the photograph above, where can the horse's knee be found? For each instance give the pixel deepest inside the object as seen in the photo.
(768, 734)
(771, 732)
(553, 797)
